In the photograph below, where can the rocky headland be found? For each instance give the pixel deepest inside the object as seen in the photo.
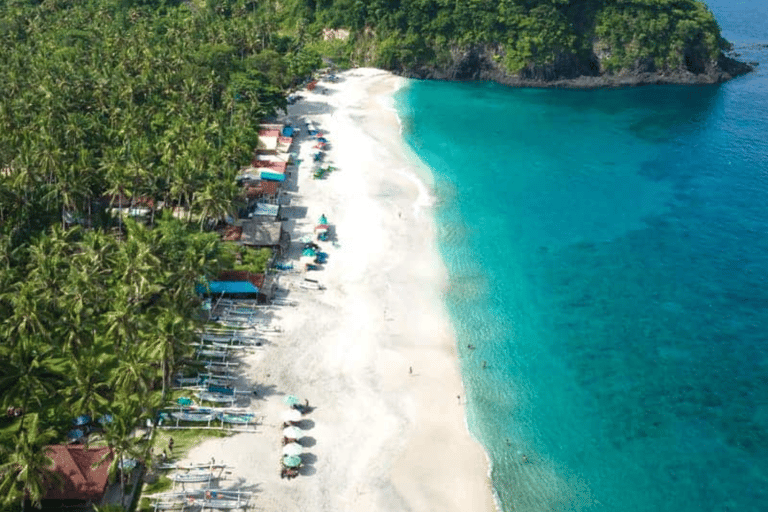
(481, 62)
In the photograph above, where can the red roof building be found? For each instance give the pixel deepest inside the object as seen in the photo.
(275, 166)
(84, 472)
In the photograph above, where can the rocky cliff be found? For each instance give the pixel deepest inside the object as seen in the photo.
(481, 62)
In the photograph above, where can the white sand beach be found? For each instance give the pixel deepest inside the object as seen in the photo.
(374, 352)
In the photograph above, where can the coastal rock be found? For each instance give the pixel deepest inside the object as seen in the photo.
(480, 62)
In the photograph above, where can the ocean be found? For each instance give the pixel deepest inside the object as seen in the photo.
(608, 261)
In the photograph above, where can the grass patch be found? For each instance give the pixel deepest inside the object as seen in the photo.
(162, 484)
(183, 440)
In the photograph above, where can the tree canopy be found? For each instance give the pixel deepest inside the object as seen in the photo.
(524, 34)
(108, 104)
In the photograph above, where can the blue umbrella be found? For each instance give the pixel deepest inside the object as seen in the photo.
(75, 434)
(128, 464)
(82, 420)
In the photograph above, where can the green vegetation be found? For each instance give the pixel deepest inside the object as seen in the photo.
(522, 34)
(106, 105)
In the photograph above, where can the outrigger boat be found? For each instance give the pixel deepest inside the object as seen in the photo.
(201, 417)
(192, 476)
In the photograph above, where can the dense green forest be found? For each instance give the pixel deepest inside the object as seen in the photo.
(108, 102)
(570, 36)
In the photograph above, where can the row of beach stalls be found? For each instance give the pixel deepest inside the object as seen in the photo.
(272, 164)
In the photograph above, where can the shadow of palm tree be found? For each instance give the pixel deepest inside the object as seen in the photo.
(238, 485)
(262, 391)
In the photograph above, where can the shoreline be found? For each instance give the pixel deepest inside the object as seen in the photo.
(374, 353)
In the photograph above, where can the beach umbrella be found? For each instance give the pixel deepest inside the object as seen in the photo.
(308, 256)
(75, 434)
(293, 449)
(291, 461)
(291, 416)
(293, 432)
(82, 420)
(128, 464)
(291, 400)
(322, 220)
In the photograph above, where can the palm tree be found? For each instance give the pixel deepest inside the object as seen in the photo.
(171, 340)
(27, 473)
(120, 432)
(29, 376)
(216, 201)
(88, 391)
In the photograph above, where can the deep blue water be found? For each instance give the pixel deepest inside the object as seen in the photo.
(608, 253)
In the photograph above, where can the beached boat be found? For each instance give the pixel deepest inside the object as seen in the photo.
(217, 397)
(187, 381)
(169, 505)
(201, 417)
(189, 467)
(215, 338)
(222, 354)
(222, 504)
(238, 419)
(192, 476)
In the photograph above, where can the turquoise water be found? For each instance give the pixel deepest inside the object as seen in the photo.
(608, 253)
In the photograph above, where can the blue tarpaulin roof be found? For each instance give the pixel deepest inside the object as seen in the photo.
(272, 176)
(287, 131)
(267, 210)
(228, 287)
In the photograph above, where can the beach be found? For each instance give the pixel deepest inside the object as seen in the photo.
(374, 352)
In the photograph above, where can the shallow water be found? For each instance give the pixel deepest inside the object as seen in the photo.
(608, 259)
